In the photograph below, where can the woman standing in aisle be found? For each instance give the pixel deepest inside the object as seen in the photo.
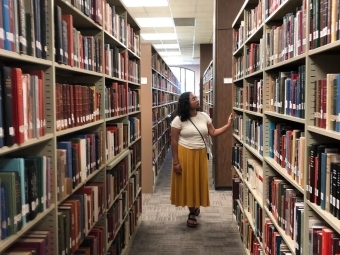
(190, 176)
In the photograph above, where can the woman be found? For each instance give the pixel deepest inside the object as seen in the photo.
(189, 179)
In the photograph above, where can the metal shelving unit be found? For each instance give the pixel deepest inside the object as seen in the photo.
(47, 144)
(318, 62)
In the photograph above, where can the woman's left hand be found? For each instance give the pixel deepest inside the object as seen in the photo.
(230, 119)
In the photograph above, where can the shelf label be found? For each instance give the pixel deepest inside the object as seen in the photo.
(227, 80)
(143, 80)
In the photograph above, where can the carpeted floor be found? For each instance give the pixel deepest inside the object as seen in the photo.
(163, 229)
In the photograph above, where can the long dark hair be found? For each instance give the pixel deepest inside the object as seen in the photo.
(183, 106)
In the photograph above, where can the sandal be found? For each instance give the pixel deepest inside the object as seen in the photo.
(191, 222)
(197, 211)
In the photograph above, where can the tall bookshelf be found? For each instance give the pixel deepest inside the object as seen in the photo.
(208, 95)
(286, 136)
(70, 127)
(159, 95)
(208, 100)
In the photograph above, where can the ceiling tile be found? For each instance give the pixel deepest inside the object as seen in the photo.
(165, 29)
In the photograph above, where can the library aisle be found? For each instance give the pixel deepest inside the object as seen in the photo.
(163, 229)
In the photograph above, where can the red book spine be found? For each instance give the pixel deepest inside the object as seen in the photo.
(18, 105)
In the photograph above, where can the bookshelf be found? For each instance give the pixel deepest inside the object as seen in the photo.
(208, 100)
(70, 127)
(286, 136)
(160, 90)
(208, 95)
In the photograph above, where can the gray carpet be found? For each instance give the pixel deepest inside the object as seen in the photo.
(163, 229)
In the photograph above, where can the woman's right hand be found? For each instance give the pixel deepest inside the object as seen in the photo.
(177, 168)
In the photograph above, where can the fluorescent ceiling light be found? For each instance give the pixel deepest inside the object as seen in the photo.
(155, 22)
(145, 3)
(176, 61)
(159, 36)
(166, 46)
(171, 53)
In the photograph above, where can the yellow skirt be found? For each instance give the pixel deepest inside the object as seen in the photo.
(191, 188)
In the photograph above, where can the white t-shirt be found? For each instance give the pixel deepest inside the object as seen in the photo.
(189, 137)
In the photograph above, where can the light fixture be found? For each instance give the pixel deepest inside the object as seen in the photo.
(159, 36)
(169, 53)
(145, 3)
(155, 22)
(166, 46)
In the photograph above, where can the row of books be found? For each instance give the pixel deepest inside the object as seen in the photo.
(253, 19)
(321, 239)
(115, 23)
(25, 190)
(160, 82)
(160, 66)
(117, 178)
(254, 134)
(158, 131)
(81, 212)
(289, 39)
(120, 65)
(324, 17)
(33, 242)
(323, 177)
(287, 92)
(239, 36)
(120, 99)
(208, 73)
(160, 113)
(118, 240)
(72, 47)
(120, 134)
(238, 70)
(160, 143)
(22, 111)
(326, 104)
(254, 59)
(160, 97)
(91, 8)
(238, 126)
(78, 156)
(257, 238)
(76, 105)
(255, 210)
(254, 96)
(22, 27)
(254, 175)
(237, 157)
(287, 145)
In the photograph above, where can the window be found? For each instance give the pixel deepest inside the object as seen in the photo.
(187, 79)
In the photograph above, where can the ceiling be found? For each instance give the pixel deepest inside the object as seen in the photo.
(196, 28)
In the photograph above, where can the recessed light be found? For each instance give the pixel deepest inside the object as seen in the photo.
(155, 22)
(145, 3)
(166, 46)
(159, 36)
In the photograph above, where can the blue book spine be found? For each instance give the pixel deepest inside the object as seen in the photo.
(7, 30)
(1, 116)
(4, 226)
